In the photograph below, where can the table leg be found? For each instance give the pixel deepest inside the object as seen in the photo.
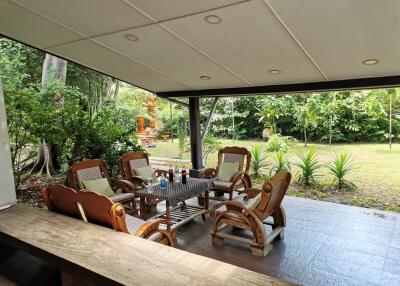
(206, 197)
(142, 208)
(168, 215)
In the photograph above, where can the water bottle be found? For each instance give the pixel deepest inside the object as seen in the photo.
(149, 185)
(163, 182)
(177, 175)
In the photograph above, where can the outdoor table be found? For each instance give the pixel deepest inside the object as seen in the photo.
(175, 195)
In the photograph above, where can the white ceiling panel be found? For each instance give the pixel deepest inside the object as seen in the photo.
(168, 9)
(340, 34)
(89, 17)
(92, 55)
(28, 27)
(161, 50)
(251, 41)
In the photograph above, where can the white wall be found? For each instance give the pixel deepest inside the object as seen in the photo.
(7, 188)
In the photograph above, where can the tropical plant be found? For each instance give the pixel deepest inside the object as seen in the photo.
(309, 166)
(259, 162)
(278, 143)
(281, 163)
(210, 144)
(340, 168)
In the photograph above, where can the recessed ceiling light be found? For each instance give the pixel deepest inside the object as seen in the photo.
(213, 19)
(274, 71)
(205, 77)
(131, 37)
(370, 62)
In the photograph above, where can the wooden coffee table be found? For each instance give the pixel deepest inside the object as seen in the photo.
(177, 212)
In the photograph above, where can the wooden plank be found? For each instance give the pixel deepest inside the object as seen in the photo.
(121, 258)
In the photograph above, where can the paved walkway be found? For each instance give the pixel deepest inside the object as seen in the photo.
(324, 244)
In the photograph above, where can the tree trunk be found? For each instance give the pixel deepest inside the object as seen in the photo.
(305, 136)
(54, 69)
(116, 91)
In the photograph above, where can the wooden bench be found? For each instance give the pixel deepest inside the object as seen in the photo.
(90, 253)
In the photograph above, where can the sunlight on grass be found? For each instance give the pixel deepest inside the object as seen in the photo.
(374, 175)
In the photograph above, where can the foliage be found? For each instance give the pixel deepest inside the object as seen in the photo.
(258, 160)
(182, 138)
(211, 144)
(339, 168)
(278, 143)
(75, 129)
(281, 163)
(308, 165)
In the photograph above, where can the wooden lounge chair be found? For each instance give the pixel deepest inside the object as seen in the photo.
(99, 209)
(96, 169)
(127, 165)
(240, 179)
(266, 202)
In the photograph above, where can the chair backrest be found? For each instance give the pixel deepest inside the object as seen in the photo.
(61, 199)
(235, 154)
(272, 194)
(99, 209)
(86, 171)
(130, 161)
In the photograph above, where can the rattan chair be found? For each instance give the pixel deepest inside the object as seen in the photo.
(238, 180)
(127, 165)
(96, 169)
(252, 220)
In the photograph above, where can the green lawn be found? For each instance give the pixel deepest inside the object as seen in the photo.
(376, 175)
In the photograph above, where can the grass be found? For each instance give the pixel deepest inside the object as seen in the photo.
(375, 174)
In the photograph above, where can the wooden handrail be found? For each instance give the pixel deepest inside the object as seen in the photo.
(103, 256)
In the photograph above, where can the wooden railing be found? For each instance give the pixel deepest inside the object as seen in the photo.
(98, 255)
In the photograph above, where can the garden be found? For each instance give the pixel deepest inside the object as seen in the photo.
(340, 146)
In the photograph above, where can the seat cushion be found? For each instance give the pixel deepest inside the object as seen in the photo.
(99, 186)
(133, 223)
(221, 184)
(226, 170)
(121, 197)
(145, 173)
(254, 202)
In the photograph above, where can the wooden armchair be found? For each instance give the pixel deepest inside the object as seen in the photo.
(127, 165)
(99, 209)
(240, 179)
(96, 169)
(251, 218)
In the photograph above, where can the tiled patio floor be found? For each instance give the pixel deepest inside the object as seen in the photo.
(324, 244)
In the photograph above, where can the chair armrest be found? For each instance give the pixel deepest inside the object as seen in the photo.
(129, 185)
(241, 176)
(208, 173)
(251, 192)
(147, 229)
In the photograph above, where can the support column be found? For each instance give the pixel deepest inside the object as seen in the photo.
(7, 189)
(196, 149)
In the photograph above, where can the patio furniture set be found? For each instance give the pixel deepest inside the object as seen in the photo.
(129, 204)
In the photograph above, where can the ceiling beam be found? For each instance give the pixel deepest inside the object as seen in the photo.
(321, 86)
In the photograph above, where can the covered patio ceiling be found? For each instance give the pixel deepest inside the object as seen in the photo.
(218, 47)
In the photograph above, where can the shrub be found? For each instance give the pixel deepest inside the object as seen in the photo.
(308, 165)
(210, 145)
(258, 160)
(339, 168)
(281, 163)
(278, 143)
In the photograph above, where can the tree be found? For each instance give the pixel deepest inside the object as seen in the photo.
(306, 115)
(54, 70)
